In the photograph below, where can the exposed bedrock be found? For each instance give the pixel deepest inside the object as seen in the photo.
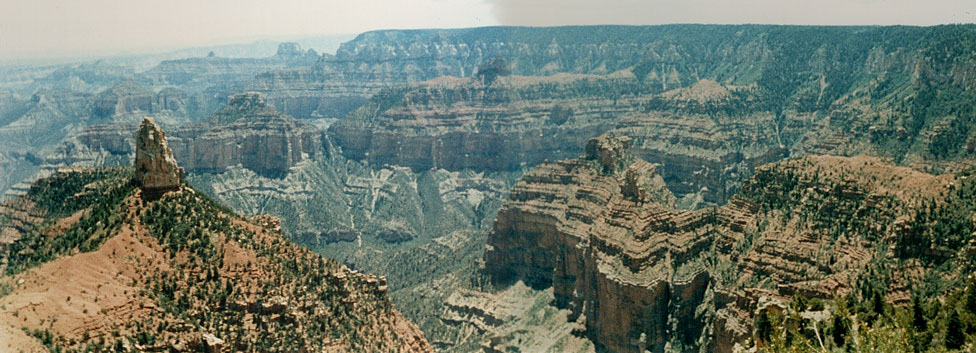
(518, 122)
(459, 123)
(710, 155)
(246, 132)
(128, 98)
(706, 115)
(156, 169)
(641, 275)
(571, 225)
(376, 60)
(249, 133)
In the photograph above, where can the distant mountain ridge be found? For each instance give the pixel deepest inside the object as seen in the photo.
(704, 100)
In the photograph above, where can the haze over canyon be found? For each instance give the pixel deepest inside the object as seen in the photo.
(604, 188)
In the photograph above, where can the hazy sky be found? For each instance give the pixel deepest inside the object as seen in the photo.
(51, 28)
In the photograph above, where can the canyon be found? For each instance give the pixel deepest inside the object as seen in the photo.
(709, 195)
(601, 232)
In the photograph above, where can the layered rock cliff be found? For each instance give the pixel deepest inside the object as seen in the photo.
(593, 229)
(663, 57)
(130, 98)
(47, 117)
(517, 121)
(379, 59)
(642, 275)
(41, 126)
(249, 133)
(200, 73)
(766, 91)
(703, 104)
(245, 132)
(210, 80)
(458, 123)
(89, 77)
(707, 115)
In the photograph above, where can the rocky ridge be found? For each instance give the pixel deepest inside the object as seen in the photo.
(731, 101)
(129, 97)
(582, 239)
(687, 115)
(245, 132)
(459, 123)
(376, 60)
(704, 115)
(59, 102)
(199, 74)
(642, 275)
(249, 133)
(175, 272)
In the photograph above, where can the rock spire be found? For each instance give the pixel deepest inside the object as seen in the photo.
(156, 169)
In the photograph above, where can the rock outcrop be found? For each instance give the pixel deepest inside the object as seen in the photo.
(642, 275)
(376, 60)
(129, 100)
(250, 133)
(706, 154)
(18, 217)
(246, 132)
(126, 97)
(706, 115)
(197, 74)
(578, 226)
(89, 77)
(459, 123)
(209, 81)
(46, 118)
(156, 169)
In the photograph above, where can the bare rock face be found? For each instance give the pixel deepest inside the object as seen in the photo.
(594, 229)
(156, 169)
(251, 133)
(640, 275)
(129, 101)
(126, 97)
(520, 121)
(458, 124)
(612, 152)
(246, 132)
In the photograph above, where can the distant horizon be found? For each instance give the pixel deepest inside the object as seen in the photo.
(46, 29)
(160, 51)
(279, 39)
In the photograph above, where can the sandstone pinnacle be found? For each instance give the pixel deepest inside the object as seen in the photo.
(156, 169)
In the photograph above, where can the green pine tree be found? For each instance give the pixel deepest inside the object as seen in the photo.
(955, 337)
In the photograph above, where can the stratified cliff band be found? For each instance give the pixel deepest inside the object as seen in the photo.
(640, 275)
